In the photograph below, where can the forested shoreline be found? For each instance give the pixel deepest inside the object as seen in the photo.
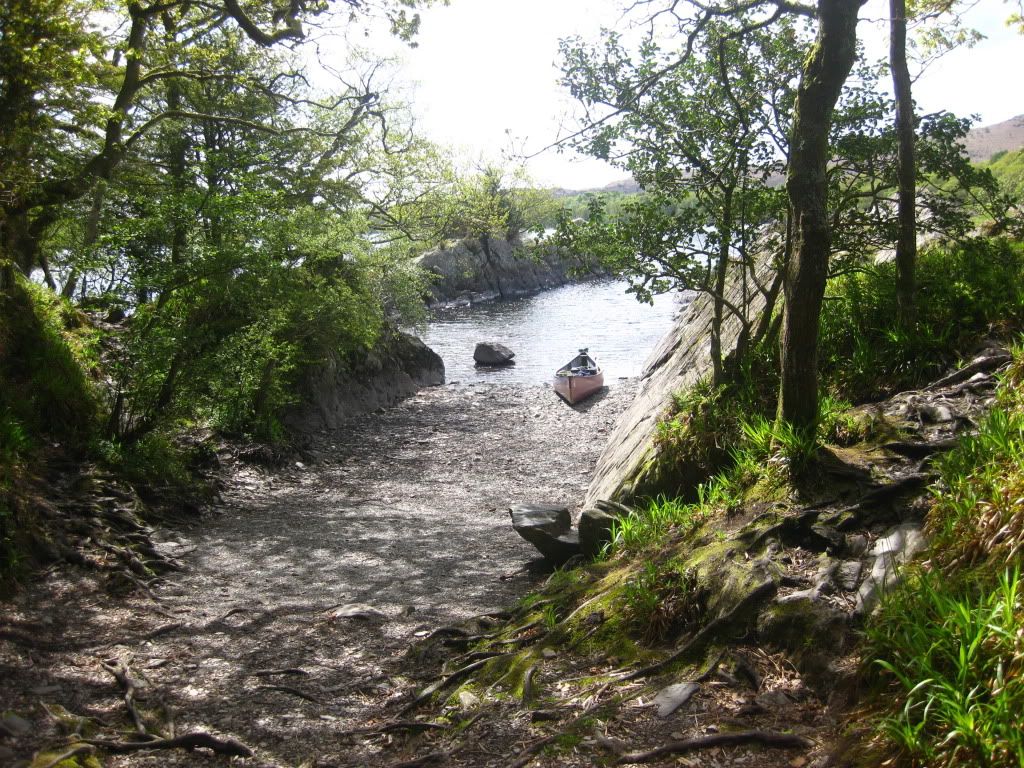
(192, 225)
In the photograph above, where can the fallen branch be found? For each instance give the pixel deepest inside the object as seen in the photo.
(197, 740)
(764, 738)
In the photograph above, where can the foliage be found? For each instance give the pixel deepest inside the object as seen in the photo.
(1008, 169)
(965, 291)
(953, 651)
(661, 599)
(46, 349)
(947, 641)
(700, 127)
(496, 201)
(977, 514)
(648, 525)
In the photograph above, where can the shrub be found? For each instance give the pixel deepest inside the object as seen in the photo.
(964, 292)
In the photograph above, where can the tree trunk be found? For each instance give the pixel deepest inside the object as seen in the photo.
(825, 70)
(906, 241)
(721, 277)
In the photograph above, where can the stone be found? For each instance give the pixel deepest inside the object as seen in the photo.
(673, 697)
(595, 530)
(357, 611)
(848, 575)
(856, 544)
(345, 386)
(15, 725)
(892, 550)
(549, 528)
(493, 353)
(468, 701)
(939, 413)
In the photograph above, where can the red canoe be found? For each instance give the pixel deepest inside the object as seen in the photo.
(579, 378)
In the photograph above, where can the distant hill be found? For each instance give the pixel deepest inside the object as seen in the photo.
(982, 142)
(985, 141)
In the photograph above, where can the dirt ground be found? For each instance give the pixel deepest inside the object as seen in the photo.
(289, 625)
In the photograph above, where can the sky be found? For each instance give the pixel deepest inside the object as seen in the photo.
(483, 78)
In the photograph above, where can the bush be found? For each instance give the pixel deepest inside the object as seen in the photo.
(964, 292)
(948, 640)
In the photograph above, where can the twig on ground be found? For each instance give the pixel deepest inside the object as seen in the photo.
(284, 671)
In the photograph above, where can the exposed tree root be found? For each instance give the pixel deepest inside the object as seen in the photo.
(444, 682)
(197, 740)
(710, 631)
(764, 738)
(293, 691)
(128, 687)
(527, 753)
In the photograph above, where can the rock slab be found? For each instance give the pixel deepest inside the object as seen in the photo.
(672, 698)
(549, 528)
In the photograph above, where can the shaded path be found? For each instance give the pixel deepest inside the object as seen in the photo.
(403, 513)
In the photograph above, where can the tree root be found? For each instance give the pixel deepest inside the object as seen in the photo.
(78, 749)
(527, 753)
(293, 691)
(197, 740)
(128, 687)
(444, 682)
(709, 631)
(764, 738)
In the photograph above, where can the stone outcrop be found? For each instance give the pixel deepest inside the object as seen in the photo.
(549, 528)
(628, 468)
(397, 367)
(474, 271)
(492, 353)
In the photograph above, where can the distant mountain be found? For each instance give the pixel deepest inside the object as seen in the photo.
(985, 141)
(622, 186)
(982, 142)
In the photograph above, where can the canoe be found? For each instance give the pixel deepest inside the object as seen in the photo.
(579, 378)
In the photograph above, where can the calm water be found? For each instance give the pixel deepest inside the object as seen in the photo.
(545, 331)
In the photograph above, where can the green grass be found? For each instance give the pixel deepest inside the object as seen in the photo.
(948, 642)
(954, 656)
(649, 525)
(964, 293)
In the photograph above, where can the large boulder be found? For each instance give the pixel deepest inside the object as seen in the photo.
(549, 528)
(631, 465)
(492, 353)
(471, 272)
(596, 523)
(341, 387)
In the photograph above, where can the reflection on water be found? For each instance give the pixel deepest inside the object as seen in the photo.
(546, 330)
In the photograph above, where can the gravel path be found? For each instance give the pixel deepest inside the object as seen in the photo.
(400, 519)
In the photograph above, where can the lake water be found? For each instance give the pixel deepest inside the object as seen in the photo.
(546, 331)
